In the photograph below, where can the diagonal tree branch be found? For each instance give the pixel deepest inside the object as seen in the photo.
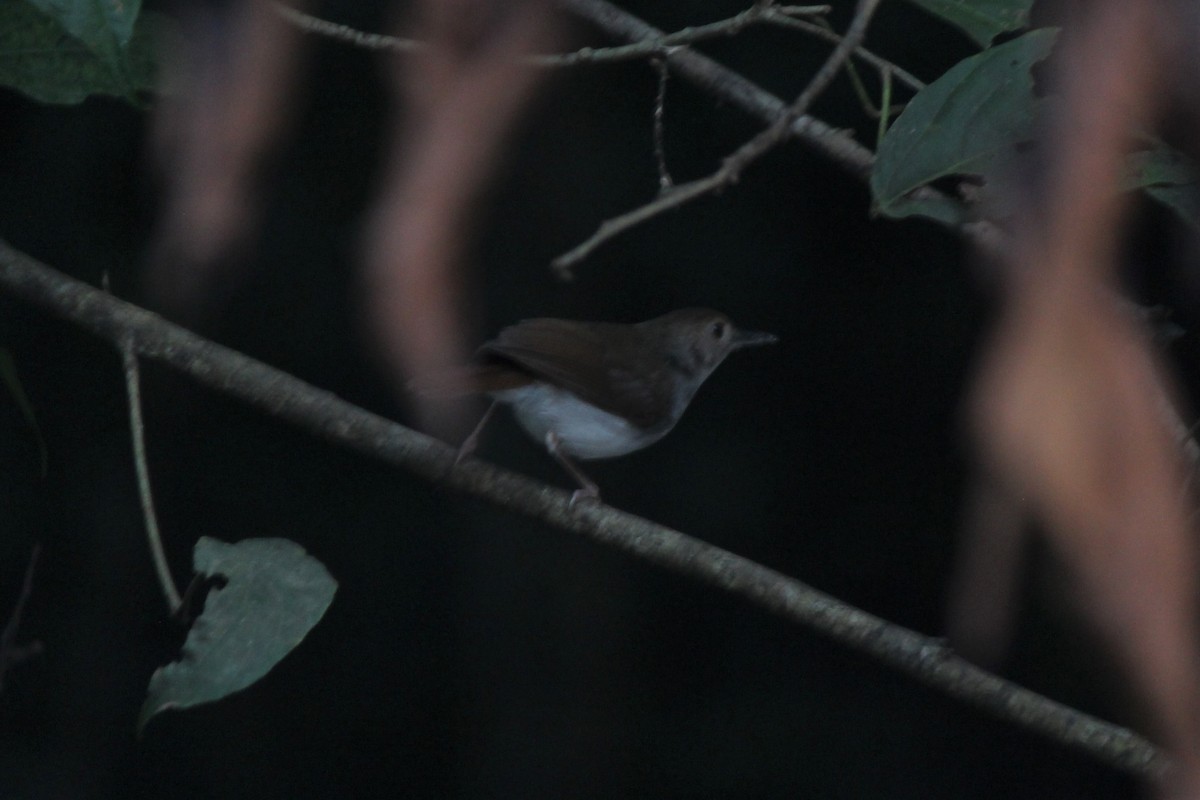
(926, 659)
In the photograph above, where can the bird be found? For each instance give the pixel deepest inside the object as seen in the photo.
(595, 390)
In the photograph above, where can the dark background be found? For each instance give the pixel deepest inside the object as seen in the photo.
(470, 652)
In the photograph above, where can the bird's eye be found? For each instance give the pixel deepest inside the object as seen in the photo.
(717, 330)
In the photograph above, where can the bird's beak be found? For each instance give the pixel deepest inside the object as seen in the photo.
(752, 339)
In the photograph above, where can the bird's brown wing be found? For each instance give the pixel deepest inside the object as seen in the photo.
(581, 358)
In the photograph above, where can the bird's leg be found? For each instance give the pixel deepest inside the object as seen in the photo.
(590, 491)
(471, 442)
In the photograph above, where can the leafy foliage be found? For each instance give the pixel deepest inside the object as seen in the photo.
(971, 121)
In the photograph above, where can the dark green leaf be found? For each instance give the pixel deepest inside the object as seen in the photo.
(967, 122)
(38, 57)
(8, 374)
(275, 594)
(982, 20)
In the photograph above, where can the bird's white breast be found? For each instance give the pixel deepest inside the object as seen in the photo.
(583, 430)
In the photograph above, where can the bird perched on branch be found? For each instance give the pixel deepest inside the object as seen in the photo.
(590, 390)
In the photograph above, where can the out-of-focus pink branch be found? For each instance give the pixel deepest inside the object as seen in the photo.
(228, 99)
(1069, 404)
(460, 97)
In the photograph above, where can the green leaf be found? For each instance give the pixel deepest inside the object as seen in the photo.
(982, 20)
(104, 26)
(967, 122)
(275, 594)
(41, 59)
(1167, 176)
(8, 374)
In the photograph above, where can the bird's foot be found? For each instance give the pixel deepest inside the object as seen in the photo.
(589, 494)
(467, 448)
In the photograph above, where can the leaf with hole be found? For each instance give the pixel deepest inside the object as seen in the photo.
(274, 594)
(967, 122)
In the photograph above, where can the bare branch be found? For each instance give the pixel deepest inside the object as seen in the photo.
(757, 14)
(724, 83)
(660, 101)
(650, 42)
(734, 164)
(735, 89)
(344, 33)
(320, 412)
(881, 64)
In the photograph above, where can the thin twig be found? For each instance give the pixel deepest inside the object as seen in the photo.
(10, 653)
(820, 31)
(757, 14)
(864, 96)
(322, 413)
(129, 360)
(733, 165)
(660, 151)
(735, 89)
(732, 87)
(860, 91)
(729, 86)
(344, 33)
(885, 105)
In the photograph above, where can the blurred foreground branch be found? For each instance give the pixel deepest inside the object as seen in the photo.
(322, 413)
(456, 103)
(1069, 404)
